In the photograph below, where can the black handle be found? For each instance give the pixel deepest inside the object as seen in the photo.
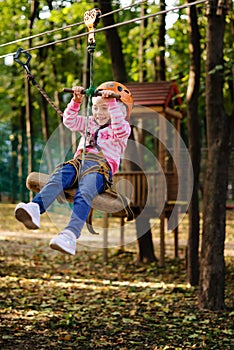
(97, 93)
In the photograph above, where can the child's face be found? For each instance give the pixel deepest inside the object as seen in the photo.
(100, 110)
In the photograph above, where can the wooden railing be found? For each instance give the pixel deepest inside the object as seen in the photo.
(141, 188)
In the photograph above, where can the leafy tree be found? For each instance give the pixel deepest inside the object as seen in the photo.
(161, 43)
(220, 128)
(113, 43)
(193, 92)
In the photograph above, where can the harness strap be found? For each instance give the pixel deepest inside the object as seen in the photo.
(103, 168)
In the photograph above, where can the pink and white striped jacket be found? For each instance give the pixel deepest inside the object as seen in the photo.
(112, 139)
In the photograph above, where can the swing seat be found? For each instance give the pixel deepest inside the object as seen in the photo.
(108, 201)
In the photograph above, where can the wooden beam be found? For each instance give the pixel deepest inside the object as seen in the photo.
(172, 113)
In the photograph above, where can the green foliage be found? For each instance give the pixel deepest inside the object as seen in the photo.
(62, 65)
(131, 43)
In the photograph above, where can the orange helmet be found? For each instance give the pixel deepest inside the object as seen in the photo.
(123, 91)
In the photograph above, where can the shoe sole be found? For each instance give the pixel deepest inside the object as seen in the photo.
(22, 216)
(60, 249)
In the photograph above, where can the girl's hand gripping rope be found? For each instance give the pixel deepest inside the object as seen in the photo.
(108, 94)
(96, 93)
(78, 93)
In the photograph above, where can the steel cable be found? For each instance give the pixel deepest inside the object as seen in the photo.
(111, 26)
(67, 26)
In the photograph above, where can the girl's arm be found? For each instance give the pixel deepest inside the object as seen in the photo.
(120, 126)
(71, 119)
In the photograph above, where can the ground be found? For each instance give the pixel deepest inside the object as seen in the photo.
(54, 301)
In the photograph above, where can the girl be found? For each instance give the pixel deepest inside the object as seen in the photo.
(106, 140)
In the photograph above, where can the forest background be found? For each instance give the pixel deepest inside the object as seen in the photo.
(65, 64)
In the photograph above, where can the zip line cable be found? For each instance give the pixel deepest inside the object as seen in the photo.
(67, 26)
(110, 27)
(40, 34)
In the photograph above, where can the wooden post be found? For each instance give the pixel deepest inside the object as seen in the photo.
(176, 232)
(105, 239)
(162, 239)
(122, 233)
(176, 241)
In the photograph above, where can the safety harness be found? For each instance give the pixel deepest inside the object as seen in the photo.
(101, 167)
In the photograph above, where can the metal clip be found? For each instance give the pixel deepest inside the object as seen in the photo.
(28, 56)
(91, 19)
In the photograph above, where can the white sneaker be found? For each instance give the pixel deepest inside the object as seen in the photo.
(28, 214)
(65, 242)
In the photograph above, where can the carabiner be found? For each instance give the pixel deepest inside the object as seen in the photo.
(28, 56)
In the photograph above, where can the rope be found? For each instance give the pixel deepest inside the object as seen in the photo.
(67, 26)
(112, 26)
(48, 99)
(90, 94)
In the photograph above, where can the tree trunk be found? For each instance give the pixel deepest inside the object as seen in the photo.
(144, 240)
(28, 117)
(29, 128)
(212, 270)
(161, 64)
(114, 44)
(194, 145)
(141, 50)
(43, 53)
(45, 133)
(13, 165)
(22, 158)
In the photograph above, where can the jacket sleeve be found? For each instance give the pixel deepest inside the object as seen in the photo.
(71, 119)
(120, 126)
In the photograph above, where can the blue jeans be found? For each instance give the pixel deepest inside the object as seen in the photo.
(88, 187)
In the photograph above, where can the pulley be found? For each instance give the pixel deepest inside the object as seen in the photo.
(91, 19)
